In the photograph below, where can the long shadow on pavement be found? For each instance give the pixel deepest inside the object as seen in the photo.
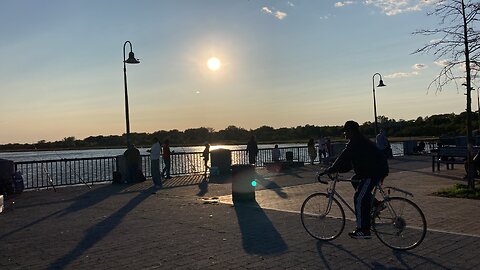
(83, 201)
(262, 181)
(259, 236)
(407, 259)
(320, 244)
(97, 232)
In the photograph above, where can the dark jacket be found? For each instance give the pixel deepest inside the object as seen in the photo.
(364, 157)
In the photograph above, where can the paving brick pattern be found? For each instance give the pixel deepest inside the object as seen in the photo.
(181, 227)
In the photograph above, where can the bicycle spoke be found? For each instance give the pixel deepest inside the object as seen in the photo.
(323, 219)
(401, 225)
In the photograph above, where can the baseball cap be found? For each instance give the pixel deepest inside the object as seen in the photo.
(351, 126)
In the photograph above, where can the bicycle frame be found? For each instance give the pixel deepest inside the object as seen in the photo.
(332, 192)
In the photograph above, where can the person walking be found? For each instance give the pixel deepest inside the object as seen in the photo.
(206, 157)
(311, 150)
(166, 159)
(252, 150)
(155, 151)
(370, 167)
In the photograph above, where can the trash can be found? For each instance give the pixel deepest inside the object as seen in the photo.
(289, 156)
(7, 170)
(243, 183)
(221, 159)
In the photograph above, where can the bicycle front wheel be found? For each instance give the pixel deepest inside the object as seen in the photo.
(322, 217)
(399, 223)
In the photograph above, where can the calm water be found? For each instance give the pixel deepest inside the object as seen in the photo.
(68, 154)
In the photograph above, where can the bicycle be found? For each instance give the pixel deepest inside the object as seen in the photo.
(396, 221)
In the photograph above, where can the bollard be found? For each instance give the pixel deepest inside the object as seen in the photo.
(243, 183)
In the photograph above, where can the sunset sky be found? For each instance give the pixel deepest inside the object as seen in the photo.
(279, 63)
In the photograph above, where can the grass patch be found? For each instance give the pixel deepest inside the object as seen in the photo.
(460, 191)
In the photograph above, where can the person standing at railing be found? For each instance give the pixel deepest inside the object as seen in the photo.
(382, 143)
(276, 153)
(312, 153)
(252, 150)
(155, 162)
(322, 148)
(166, 159)
(206, 157)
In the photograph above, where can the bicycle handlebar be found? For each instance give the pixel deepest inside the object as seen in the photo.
(332, 176)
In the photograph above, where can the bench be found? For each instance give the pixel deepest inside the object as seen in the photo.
(277, 166)
(450, 156)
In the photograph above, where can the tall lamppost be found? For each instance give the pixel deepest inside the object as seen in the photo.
(380, 84)
(131, 60)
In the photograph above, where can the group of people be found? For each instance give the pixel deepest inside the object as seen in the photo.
(324, 149)
(367, 159)
(156, 150)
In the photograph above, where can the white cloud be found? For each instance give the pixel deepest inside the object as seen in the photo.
(395, 7)
(280, 15)
(290, 4)
(344, 3)
(442, 63)
(419, 66)
(266, 10)
(401, 75)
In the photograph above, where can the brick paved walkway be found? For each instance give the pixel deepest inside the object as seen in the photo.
(136, 227)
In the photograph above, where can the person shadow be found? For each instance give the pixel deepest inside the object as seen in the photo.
(259, 235)
(203, 186)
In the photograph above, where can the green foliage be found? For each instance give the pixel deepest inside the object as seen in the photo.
(430, 126)
(459, 191)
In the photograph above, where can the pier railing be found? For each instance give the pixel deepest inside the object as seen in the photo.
(64, 172)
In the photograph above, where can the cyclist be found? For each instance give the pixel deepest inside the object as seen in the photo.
(370, 167)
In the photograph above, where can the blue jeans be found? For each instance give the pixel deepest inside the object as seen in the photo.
(166, 170)
(155, 167)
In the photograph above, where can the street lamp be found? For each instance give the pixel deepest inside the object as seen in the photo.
(380, 84)
(131, 60)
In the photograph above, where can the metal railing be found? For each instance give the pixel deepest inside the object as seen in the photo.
(64, 172)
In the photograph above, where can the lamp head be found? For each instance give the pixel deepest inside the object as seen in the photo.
(131, 59)
(381, 84)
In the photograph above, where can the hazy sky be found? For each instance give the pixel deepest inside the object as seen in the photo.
(283, 64)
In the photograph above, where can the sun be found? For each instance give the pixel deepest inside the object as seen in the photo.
(214, 64)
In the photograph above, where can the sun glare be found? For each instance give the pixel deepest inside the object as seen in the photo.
(214, 64)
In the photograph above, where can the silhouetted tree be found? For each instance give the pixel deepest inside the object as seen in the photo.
(458, 42)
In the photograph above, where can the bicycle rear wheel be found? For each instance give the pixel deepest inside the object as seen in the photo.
(399, 223)
(321, 220)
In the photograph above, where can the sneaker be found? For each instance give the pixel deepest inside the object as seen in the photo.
(359, 234)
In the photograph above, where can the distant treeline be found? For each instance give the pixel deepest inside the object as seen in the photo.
(432, 126)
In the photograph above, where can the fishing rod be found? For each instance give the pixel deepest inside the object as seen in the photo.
(49, 177)
(44, 169)
(72, 171)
